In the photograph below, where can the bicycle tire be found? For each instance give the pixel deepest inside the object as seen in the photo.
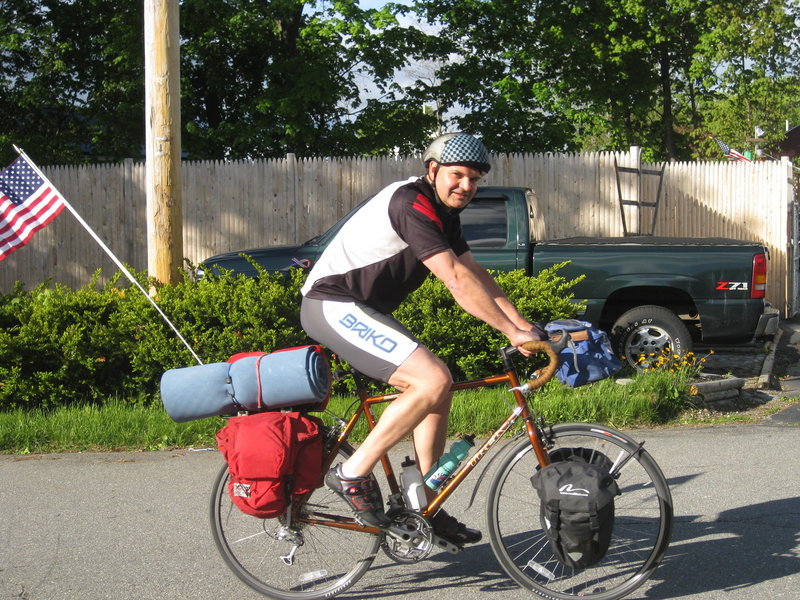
(642, 523)
(329, 561)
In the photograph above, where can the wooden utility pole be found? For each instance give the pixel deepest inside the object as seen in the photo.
(163, 144)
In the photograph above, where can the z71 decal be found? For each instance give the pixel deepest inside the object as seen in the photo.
(727, 286)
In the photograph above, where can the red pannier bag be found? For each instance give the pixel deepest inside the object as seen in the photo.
(271, 456)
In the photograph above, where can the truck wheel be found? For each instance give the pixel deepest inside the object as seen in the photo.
(645, 333)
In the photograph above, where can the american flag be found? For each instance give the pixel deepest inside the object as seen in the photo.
(28, 202)
(730, 153)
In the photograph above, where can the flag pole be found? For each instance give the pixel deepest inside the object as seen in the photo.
(108, 251)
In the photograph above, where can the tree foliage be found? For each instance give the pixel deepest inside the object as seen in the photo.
(606, 74)
(259, 79)
(265, 78)
(71, 79)
(262, 78)
(750, 62)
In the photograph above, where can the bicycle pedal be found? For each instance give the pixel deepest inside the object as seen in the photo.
(443, 544)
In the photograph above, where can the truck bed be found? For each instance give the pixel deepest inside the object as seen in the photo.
(644, 240)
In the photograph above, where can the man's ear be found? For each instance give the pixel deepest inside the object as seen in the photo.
(431, 169)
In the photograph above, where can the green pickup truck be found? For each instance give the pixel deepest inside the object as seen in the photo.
(649, 293)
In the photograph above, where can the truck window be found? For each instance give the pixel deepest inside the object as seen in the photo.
(485, 223)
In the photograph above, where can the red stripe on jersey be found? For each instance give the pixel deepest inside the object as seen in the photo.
(423, 205)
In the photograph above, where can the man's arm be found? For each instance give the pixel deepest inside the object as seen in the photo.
(495, 291)
(478, 294)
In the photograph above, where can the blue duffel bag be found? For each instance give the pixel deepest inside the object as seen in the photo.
(586, 354)
(257, 381)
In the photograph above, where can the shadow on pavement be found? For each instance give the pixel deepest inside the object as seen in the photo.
(741, 548)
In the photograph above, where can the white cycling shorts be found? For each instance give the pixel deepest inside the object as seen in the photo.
(374, 344)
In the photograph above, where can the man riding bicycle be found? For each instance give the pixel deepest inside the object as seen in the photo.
(383, 253)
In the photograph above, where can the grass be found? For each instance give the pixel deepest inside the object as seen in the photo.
(649, 399)
(114, 426)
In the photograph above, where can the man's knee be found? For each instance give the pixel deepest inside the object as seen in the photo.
(424, 371)
(441, 379)
(436, 383)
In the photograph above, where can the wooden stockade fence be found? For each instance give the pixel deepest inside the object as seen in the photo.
(229, 206)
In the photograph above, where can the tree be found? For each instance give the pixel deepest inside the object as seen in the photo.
(751, 62)
(606, 74)
(559, 75)
(489, 75)
(259, 79)
(71, 80)
(266, 78)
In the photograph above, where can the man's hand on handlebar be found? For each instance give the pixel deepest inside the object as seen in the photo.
(533, 335)
(538, 329)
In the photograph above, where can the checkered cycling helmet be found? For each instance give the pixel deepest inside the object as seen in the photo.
(458, 149)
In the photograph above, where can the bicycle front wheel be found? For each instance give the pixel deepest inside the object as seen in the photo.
(642, 522)
(302, 562)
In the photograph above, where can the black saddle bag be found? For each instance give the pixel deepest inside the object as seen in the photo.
(577, 505)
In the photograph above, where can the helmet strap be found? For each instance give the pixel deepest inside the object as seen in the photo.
(432, 181)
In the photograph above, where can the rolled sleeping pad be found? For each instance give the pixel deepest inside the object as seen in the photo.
(294, 377)
(197, 392)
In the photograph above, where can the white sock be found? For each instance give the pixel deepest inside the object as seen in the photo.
(347, 474)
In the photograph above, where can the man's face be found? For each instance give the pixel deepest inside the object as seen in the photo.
(455, 184)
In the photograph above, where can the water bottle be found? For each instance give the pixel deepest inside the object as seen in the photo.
(449, 462)
(413, 486)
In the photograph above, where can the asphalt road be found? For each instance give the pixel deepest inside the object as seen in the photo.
(135, 527)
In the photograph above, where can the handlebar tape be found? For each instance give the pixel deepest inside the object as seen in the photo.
(547, 372)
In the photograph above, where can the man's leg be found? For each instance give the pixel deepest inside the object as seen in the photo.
(422, 407)
(380, 347)
(430, 436)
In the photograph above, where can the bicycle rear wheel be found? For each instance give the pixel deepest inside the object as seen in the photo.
(305, 562)
(642, 523)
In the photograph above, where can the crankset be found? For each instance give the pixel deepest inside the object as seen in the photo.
(410, 539)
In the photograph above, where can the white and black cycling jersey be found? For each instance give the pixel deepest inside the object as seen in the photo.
(376, 257)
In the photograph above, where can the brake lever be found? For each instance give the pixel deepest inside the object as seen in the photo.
(560, 342)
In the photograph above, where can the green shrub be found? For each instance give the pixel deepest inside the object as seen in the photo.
(54, 346)
(218, 316)
(60, 347)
